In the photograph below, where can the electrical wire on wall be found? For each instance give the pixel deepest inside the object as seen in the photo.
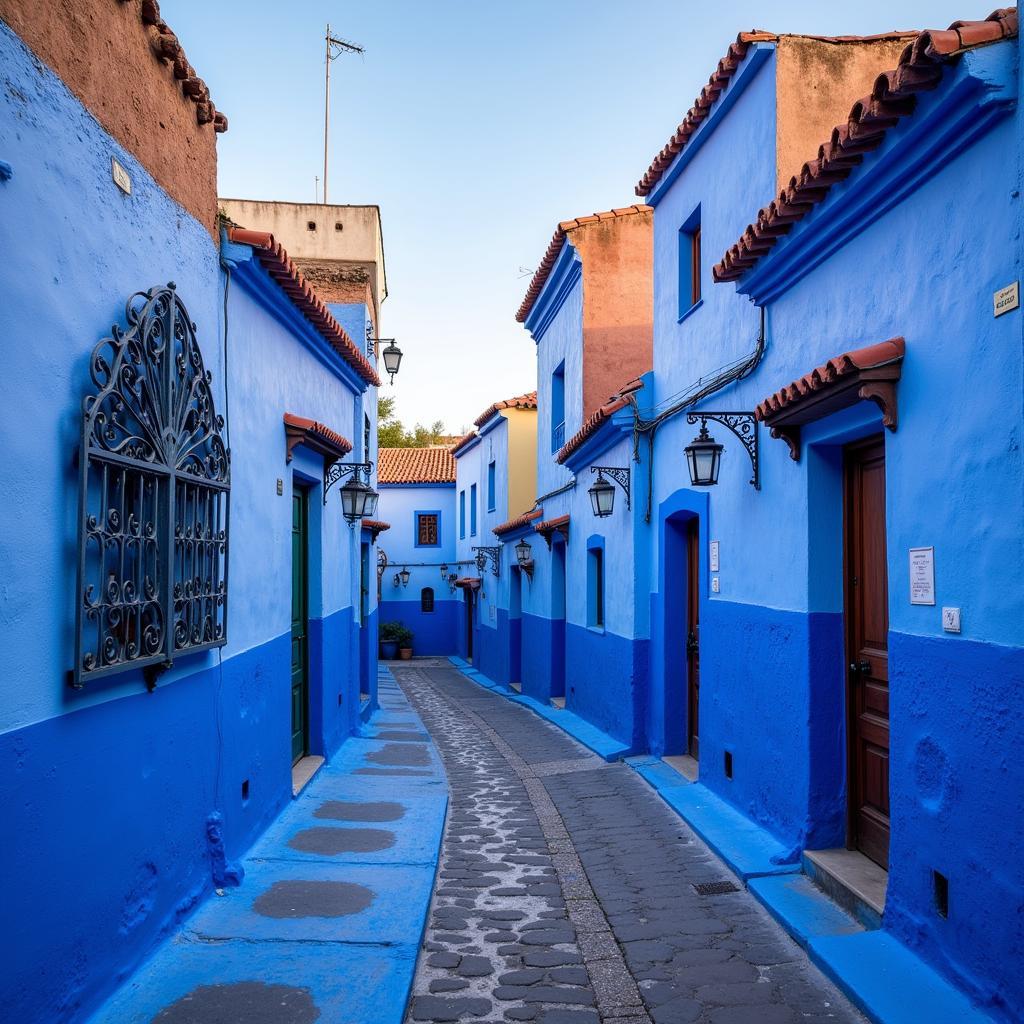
(684, 401)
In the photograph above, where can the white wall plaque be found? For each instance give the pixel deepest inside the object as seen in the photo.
(120, 176)
(713, 557)
(1005, 299)
(922, 575)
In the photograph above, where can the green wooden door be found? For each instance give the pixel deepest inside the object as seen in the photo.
(300, 628)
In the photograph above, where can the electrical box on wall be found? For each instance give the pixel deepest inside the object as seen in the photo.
(951, 620)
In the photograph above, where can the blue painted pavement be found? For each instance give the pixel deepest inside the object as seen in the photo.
(331, 910)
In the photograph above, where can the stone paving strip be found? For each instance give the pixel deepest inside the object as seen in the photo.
(327, 922)
(566, 891)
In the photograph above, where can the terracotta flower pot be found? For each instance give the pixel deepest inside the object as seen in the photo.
(405, 653)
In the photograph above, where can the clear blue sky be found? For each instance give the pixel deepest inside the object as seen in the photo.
(476, 126)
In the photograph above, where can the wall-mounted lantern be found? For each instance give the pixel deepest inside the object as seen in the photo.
(444, 570)
(391, 354)
(704, 453)
(602, 493)
(396, 581)
(452, 577)
(358, 499)
(382, 563)
(524, 556)
(404, 576)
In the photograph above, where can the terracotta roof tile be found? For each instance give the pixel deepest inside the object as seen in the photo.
(727, 66)
(868, 358)
(518, 523)
(300, 430)
(278, 264)
(415, 466)
(166, 48)
(527, 401)
(377, 525)
(555, 247)
(462, 442)
(893, 97)
(597, 418)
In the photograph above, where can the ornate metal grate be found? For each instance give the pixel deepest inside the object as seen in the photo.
(715, 888)
(153, 498)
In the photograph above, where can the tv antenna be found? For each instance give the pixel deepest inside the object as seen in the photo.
(334, 48)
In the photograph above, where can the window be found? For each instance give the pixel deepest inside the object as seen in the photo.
(689, 263)
(490, 487)
(472, 510)
(595, 584)
(427, 599)
(366, 438)
(558, 407)
(462, 515)
(428, 529)
(141, 502)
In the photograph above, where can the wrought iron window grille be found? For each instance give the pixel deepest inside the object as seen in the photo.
(154, 488)
(744, 426)
(485, 553)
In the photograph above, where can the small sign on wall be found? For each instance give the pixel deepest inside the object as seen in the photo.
(922, 575)
(1006, 299)
(713, 556)
(120, 176)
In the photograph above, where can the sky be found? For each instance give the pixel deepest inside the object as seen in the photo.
(476, 127)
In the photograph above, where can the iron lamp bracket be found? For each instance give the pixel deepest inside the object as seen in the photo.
(744, 426)
(484, 553)
(339, 470)
(619, 475)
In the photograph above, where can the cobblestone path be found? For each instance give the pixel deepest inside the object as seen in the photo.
(565, 890)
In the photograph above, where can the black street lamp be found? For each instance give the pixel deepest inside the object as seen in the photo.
(404, 575)
(602, 493)
(357, 500)
(392, 355)
(703, 456)
(524, 556)
(704, 453)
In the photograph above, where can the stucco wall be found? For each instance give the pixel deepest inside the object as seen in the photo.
(103, 53)
(817, 82)
(617, 256)
(522, 460)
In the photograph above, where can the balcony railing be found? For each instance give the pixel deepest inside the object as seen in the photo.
(557, 436)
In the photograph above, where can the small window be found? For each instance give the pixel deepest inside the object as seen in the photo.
(428, 529)
(558, 407)
(472, 510)
(595, 587)
(462, 515)
(366, 438)
(427, 599)
(311, 225)
(490, 487)
(689, 263)
(338, 226)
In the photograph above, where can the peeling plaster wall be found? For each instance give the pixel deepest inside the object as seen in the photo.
(101, 50)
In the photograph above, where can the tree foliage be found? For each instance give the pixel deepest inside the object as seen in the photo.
(392, 434)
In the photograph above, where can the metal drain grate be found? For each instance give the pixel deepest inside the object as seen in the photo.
(715, 888)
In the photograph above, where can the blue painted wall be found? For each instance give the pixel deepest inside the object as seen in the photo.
(773, 663)
(115, 794)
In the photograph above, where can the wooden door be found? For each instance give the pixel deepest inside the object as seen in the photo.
(300, 627)
(867, 631)
(693, 636)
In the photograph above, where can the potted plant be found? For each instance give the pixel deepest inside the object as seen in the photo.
(389, 636)
(404, 643)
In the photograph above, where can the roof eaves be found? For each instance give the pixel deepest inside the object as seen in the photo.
(920, 68)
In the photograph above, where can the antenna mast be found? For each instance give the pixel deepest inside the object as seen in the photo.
(334, 48)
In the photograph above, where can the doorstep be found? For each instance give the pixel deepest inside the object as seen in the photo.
(854, 881)
(605, 746)
(303, 771)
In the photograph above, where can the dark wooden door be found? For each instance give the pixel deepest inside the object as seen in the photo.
(469, 623)
(300, 627)
(693, 636)
(867, 632)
